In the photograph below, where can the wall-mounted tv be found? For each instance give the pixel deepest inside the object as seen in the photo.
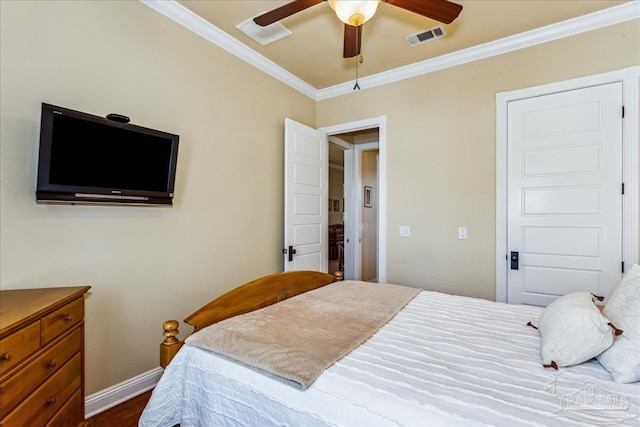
(91, 159)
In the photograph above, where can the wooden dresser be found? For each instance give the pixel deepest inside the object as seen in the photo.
(42, 357)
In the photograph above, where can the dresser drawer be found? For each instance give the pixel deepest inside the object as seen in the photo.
(16, 347)
(47, 399)
(16, 388)
(71, 412)
(62, 319)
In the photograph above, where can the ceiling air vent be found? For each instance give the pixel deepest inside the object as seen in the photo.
(264, 35)
(426, 36)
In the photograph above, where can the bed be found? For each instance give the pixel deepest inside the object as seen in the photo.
(441, 360)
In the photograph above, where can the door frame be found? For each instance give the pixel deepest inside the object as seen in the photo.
(380, 123)
(629, 78)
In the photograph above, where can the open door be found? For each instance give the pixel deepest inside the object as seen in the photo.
(306, 182)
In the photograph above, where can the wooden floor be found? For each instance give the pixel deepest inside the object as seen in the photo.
(125, 414)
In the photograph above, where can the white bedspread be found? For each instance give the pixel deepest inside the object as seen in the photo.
(443, 360)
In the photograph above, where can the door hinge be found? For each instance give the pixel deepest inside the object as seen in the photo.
(623, 111)
(623, 188)
(622, 267)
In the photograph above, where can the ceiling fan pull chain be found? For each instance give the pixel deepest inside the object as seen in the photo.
(357, 86)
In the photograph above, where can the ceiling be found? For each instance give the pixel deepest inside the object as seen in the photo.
(313, 52)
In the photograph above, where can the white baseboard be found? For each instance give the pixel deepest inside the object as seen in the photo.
(116, 394)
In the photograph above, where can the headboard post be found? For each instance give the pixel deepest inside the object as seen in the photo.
(171, 344)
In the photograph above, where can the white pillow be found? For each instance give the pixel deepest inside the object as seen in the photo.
(572, 331)
(622, 359)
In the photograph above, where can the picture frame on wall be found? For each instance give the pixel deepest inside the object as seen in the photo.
(367, 196)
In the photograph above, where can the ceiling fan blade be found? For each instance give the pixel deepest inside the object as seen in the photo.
(440, 10)
(283, 11)
(352, 41)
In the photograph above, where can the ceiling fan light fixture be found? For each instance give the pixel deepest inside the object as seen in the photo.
(354, 12)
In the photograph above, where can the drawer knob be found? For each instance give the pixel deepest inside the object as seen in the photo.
(52, 363)
(5, 356)
(51, 400)
(68, 317)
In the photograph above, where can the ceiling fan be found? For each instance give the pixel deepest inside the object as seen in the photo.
(355, 13)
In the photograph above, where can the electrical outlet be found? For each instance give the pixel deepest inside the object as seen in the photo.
(404, 231)
(462, 233)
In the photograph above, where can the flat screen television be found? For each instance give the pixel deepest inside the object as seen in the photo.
(91, 159)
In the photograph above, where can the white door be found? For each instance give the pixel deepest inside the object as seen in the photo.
(306, 182)
(564, 194)
(349, 217)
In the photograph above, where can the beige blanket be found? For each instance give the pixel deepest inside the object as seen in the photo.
(295, 340)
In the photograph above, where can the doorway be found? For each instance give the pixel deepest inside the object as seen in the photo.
(361, 134)
(353, 204)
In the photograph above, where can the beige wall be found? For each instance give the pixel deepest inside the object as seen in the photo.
(145, 265)
(441, 152)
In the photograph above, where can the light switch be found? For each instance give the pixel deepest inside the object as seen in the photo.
(405, 231)
(462, 233)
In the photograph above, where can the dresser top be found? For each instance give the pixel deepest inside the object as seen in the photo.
(21, 306)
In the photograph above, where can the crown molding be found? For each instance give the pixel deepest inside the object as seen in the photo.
(581, 24)
(611, 16)
(185, 17)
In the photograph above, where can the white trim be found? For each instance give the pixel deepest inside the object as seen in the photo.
(350, 229)
(501, 197)
(365, 138)
(570, 27)
(630, 95)
(629, 78)
(340, 143)
(603, 18)
(381, 124)
(354, 126)
(121, 392)
(367, 146)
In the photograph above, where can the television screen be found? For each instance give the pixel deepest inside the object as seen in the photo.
(86, 157)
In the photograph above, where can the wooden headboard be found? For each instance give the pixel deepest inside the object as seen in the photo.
(251, 296)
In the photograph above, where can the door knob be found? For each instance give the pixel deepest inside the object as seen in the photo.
(515, 260)
(290, 251)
